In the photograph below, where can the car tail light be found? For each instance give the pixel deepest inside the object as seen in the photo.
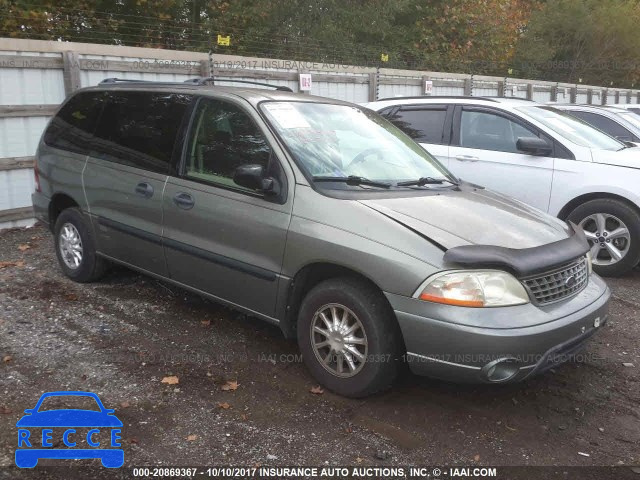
(36, 175)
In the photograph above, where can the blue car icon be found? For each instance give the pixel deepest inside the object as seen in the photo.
(31, 447)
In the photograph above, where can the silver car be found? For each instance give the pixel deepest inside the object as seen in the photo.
(320, 217)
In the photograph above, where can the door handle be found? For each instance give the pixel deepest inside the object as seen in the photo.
(467, 158)
(184, 200)
(144, 189)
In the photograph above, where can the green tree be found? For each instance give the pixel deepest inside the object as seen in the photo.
(593, 41)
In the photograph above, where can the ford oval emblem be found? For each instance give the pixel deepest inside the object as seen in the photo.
(570, 281)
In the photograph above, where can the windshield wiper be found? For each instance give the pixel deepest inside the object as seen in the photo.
(353, 180)
(422, 181)
(626, 145)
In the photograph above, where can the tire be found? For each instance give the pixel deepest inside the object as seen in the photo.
(615, 213)
(378, 326)
(90, 267)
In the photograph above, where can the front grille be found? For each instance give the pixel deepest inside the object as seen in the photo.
(557, 284)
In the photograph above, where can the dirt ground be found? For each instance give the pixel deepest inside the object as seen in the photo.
(120, 337)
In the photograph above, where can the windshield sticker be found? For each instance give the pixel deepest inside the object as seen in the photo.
(313, 135)
(287, 116)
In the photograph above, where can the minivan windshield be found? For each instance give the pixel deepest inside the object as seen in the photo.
(341, 141)
(571, 128)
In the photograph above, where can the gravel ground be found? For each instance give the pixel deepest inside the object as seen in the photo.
(120, 337)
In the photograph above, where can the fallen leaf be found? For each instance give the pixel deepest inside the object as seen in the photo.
(244, 417)
(23, 247)
(317, 390)
(206, 323)
(9, 264)
(133, 440)
(171, 380)
(191, 438)
(5, 411)
(224, 405)
(359, 460)
(7, 358)
(476, 458)
(124, 404)
(72, 297)
(511, 428)
(230, 386)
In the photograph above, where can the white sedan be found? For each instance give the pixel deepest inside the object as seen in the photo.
(539, 155)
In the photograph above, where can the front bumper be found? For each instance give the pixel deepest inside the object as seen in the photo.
(464, 344)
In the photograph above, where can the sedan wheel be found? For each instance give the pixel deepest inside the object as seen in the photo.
(608, 236)
(613, 230)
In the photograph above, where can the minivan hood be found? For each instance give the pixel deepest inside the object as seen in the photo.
(629, 157)
(472, 216)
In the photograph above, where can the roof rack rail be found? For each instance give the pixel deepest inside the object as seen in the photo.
(114, 80)
(443, 97)
(211, 80)
(192, 81)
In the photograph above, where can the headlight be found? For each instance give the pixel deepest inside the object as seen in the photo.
(474, 288)
(589, 263)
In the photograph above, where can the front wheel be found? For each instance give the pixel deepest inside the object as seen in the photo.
(613, 230)
(349, 338)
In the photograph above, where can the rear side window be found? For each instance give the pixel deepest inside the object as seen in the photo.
(139, 129)
(72, 128)
(605, 124)
(424, 125)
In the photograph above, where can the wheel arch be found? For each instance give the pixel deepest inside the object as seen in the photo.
(58, 203)
(308, 277)
(579, 200)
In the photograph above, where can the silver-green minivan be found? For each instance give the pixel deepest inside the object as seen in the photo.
(323, 218)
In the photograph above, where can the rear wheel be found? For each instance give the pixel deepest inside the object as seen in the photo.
(613, 230)
(348, 337)
(76, 248)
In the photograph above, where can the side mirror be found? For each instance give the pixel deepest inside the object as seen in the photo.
(533, 146)
(252, 177)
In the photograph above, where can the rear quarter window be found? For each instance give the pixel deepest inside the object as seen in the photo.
(73, 126)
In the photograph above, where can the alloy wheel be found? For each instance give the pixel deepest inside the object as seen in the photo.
(70, 245)
(339, 340)
(608, 236)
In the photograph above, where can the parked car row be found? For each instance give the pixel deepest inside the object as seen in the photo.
(327, 220)
(542, 155)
